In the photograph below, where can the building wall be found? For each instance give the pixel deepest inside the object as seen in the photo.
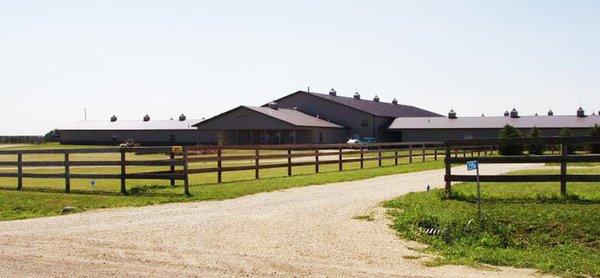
(144, 137)
(359, 123)
(417, 135)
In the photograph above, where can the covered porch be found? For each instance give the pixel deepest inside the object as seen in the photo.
(266, 136)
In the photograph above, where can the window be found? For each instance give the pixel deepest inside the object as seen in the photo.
(364, 123)
(320, 137)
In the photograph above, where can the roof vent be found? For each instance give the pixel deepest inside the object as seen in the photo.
(273, 105)
(376, 98)
(580, 112)
(550, 113)
(514, 114)
(113, 118)
(506, 114)
(146, 118)
(356, 95)
(452, 114)
(332, 92)
(395, 101)
(182, 118)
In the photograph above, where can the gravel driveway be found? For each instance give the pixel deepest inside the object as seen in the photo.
(308, 231)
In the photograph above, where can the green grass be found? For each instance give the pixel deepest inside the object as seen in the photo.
(525, 225)
(45, 197)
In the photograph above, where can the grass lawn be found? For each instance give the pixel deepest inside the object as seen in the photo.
(44, 197)
(525, 225)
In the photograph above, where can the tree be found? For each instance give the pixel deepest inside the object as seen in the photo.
(595, 148)
(565, 132)
(536, 148)
(507, 148)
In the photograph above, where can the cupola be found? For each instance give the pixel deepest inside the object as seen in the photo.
(452, 114)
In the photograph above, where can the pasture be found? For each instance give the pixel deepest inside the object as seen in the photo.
(525, 225)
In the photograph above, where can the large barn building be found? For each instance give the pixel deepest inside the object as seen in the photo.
(144, 132)
(456, 128)
(307, 117)
(314, 118)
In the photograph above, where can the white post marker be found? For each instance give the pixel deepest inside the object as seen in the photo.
(474, 165)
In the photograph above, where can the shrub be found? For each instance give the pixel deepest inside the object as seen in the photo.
(536, 148)
(507, 148)
(565, 132)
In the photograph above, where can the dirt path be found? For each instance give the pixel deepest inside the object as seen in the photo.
(305, 231)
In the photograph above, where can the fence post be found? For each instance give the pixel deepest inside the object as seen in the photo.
(123, 172)
(410, 154)
(435, 153)
(396, 157)
(423, 151)
(20, 171)
(464, 152)
(362, 158)
(448, 171)
(563, 167)
(317, 160)
(172, 168)
(485, 152)
(340, 160)
(256, 163)
(219, 165)
(289, 162)
(186, 173)
(455, 152)
(379, 156)
(67, 174)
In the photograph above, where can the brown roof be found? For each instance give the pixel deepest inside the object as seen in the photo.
(290, 116)
(381, 109)
(294, 117)
(569, 121)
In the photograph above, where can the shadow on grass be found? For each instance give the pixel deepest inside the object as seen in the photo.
(132, 192)
(539, 199)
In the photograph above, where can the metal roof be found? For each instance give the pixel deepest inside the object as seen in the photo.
(290, 116)
(569, 121)
(133, 125)
(294, 117)
(381, 109)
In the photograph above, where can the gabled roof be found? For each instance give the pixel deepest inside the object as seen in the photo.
(381, 109)
(294, 117)
(569, 121)
(133, 125)
(289, 116)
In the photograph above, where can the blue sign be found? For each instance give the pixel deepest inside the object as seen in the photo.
(472, 165)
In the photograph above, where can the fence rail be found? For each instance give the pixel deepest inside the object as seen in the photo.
(318, 155)
(563, 159)
(67, 163)
(181, 162)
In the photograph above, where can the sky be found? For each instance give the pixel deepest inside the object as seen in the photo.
(201, 58)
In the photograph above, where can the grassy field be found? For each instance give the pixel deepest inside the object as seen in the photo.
(45, 197)
(525, 225)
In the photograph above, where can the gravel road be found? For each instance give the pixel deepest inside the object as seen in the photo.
(308, 231)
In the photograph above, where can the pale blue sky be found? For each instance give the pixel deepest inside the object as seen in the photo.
(201, 58)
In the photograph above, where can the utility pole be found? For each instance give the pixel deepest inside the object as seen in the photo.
(85, 114)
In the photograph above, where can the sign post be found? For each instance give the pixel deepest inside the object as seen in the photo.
(474, 165)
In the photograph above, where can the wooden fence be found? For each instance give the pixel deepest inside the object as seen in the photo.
(184, 161)
(66, 162)
(318, 155)
(563, 159)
